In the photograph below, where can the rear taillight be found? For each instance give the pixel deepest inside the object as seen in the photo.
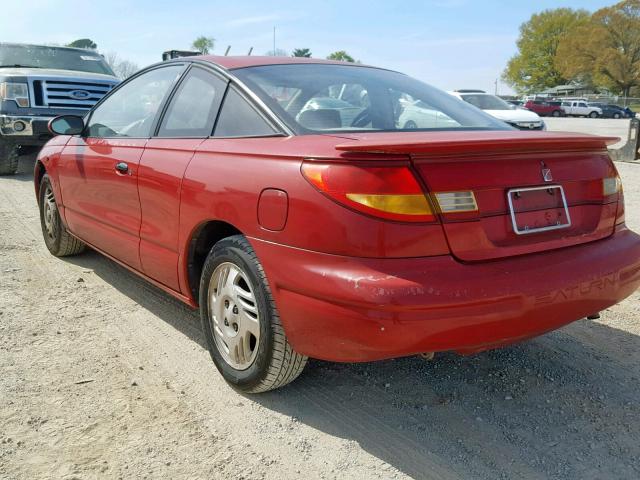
(620, 212)
(392, 193)
(611, 192)
(611, 186)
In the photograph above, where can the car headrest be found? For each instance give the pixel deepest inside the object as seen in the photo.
(320, 119)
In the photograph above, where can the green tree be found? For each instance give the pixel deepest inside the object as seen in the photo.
(122, 68)
(83, 43)
(204, 44)
(534, 68)
(278, 52)
(301, 52)
(606, 49)
(341, 56)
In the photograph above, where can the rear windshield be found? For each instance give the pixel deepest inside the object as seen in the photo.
(312, 98)
(35, 56)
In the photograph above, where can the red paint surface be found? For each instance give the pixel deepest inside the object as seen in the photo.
(160, 184)
(354, 309)
(273, 208)
(102, 205)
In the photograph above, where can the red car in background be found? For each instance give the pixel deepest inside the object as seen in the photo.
(545, 108)
(313, 224)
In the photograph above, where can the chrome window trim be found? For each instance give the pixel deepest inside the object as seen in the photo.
(250, 96)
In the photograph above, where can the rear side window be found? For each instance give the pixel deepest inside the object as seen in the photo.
(239, 119)
(193, 109)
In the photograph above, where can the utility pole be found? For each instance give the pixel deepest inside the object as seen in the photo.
(496, 84)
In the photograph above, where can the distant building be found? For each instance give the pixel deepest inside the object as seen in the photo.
(572, 90)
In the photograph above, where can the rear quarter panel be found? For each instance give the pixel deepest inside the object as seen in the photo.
(224, 181)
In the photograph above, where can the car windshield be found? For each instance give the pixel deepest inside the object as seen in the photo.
(487, 102)
(312, 98)
(53, 57)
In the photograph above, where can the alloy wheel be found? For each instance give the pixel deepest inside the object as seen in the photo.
(50, 213)
(233, 315)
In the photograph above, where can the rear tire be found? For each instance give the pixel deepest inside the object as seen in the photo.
(58, 241)
(556, 113)
(240, 321)
(8, 159)
(593, 115)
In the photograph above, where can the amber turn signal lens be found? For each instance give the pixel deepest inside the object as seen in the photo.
(400, 204)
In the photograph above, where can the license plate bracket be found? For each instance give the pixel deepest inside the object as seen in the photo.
(538, 209)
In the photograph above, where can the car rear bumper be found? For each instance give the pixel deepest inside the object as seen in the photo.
(358, 309)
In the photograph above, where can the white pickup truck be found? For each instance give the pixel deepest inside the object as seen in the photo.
(38, 83)
(581, 109)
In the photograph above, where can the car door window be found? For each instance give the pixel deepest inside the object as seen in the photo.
(131, 110)
(239, 119)
(193, 109)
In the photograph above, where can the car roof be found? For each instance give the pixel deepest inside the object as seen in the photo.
(232, 62)
(470, 92)
(61, 47)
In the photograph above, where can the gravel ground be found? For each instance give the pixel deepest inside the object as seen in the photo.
(103, 376)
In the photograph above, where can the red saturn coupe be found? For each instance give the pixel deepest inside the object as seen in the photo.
(287, 201)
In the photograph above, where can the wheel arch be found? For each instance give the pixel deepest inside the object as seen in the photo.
(38, 173)
(202, 240)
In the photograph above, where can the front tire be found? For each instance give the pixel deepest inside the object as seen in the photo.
(556, 113)
(241, 324)
(8, 159)
(58, 241)
(593, 115)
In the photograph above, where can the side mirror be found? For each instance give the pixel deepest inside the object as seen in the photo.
(66, 125)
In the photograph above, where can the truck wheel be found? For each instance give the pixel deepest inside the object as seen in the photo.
(593, 115)
(556, 113)
(241, 324)
(8, 159)
(58, 241)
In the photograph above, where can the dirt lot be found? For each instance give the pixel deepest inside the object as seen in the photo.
(103, 376)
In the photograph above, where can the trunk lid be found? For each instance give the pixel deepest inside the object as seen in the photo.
(538, 172)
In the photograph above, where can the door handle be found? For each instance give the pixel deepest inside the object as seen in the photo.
(122, 167)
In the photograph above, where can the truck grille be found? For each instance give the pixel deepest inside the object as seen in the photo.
(67, 93)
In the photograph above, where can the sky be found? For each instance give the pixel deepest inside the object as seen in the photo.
(450, 44)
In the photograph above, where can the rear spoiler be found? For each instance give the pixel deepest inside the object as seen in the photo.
(446, 143)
